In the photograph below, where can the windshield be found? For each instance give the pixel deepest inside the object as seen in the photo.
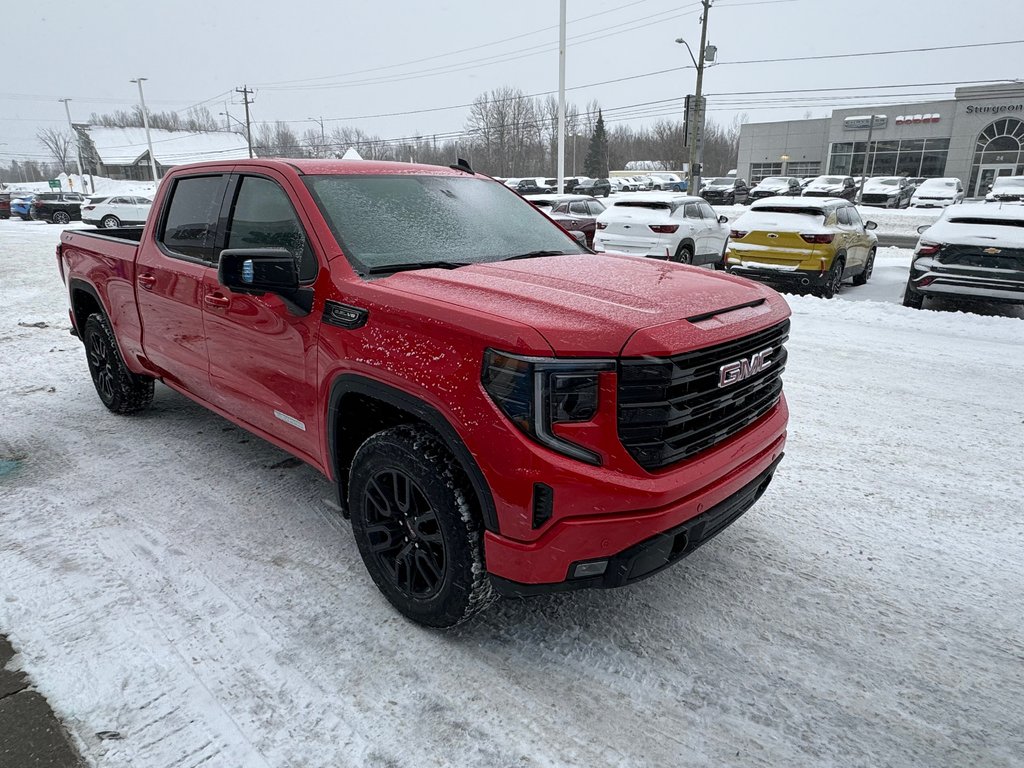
(887, 182)
(829, 180)
(384, 220)
(719, 182)
(774, 180)
(937, 184)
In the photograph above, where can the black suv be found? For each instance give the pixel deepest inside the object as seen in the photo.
(593, 187)
(726, 191)
(531, 187)
(58, 207)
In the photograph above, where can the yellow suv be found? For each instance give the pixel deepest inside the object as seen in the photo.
(803, 245)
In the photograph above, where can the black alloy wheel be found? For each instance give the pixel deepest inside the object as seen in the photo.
(869, 267)
(417, 526)
(119, 389)
(61, 217)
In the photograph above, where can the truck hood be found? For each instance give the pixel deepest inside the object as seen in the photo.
(592, 304)
(877, 188)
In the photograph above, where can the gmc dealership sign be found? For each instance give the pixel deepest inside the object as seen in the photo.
(861, 122)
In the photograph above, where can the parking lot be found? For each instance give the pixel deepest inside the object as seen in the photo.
(180, 583)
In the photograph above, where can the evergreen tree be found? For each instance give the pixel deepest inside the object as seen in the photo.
(596, 164)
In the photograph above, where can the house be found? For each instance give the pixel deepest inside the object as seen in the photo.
(123, 153)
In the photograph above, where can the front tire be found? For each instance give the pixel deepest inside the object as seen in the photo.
(110, 222)
(61, 217)
(120, 390)
(869, 267)
(416, 528)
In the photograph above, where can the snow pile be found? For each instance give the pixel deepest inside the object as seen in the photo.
(176, 580)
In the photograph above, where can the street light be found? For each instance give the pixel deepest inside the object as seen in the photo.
(145, 122)
(323, 136)
(707, 54)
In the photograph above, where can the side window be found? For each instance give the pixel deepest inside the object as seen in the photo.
(843, 215)
(578, 208)
(855, 219)
(692, 211)
(119, 201)
(263, 217)
(190, 226)
(708, 212)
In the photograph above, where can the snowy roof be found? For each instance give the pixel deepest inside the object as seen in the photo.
(351, 154)
(124, 146)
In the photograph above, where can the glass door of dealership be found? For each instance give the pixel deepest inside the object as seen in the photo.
(989, 173)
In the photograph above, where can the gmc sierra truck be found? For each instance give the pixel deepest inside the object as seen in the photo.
(501, 411)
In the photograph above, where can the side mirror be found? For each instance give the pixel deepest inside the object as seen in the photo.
(921, 230)
(257, 271)
(870, 225)
(723, 219)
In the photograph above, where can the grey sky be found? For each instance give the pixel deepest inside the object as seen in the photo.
(193, 50)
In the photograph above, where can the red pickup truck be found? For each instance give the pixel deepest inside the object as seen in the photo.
(501, 410)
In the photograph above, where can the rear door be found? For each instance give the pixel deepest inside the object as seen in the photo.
(262, 350)
(170, 274)
(697, 227)
(717, 234)
(853, 237)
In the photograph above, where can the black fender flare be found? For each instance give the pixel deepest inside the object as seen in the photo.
(75, 285)
(352, 383)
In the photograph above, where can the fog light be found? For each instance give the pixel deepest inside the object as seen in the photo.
(591, 568)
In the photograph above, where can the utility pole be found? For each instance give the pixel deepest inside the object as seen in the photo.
(244, 90)
(867, 155)
(697, 146)
(561, 98)
(145, 122)
(227, 117)
(78, 144)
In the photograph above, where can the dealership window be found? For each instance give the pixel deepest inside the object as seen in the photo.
(760, 171)
(903, 157)
(803, 168)
(998, 151)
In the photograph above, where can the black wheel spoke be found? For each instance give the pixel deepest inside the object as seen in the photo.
(383, 536)
(427, 529)
(428, 569)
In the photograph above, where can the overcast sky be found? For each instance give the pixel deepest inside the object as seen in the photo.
(352, 59)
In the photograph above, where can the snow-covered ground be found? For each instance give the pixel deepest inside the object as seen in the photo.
(173, 579)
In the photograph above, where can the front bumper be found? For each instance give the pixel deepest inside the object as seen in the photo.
(935, 202)
(934, 279)
(697, 486)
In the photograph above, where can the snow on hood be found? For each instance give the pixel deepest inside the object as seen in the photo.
(772, 185)
(592, 304)
(876, 186)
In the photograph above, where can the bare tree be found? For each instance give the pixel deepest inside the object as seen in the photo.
(58, 142)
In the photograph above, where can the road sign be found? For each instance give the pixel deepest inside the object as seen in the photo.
(693, 127)
(54, 183)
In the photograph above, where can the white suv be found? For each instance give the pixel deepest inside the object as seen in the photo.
(116, 211)
(673, 227)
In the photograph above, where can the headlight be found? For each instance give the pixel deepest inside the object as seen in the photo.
(535, 393)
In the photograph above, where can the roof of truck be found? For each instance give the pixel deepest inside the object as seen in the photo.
(327, 167)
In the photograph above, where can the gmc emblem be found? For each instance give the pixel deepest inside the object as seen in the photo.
(730, 373)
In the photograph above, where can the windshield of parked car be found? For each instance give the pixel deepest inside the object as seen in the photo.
(893, 182)
(774, 180)
(720, 182)
(937, 184)
(382, 220)
(829, 180)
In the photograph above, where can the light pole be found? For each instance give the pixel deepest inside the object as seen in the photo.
(145, 122)
(323, 136)
(696, 154)
(561, 98)
(78, 144)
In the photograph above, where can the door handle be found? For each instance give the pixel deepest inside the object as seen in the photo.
(216, 300)
(147, 281)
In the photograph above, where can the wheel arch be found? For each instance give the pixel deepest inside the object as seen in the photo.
(85, 300)
(373, 406)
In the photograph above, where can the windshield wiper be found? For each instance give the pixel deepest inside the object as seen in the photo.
(410, 265)
(535, 254)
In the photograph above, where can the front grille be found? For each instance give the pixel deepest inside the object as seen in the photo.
(875, 198)
(672, 408)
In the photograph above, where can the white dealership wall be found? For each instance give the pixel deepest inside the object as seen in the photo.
(960, 120)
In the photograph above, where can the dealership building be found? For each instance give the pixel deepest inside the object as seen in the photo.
(976, 136)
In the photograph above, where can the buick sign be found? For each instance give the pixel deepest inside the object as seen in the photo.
(741, 369)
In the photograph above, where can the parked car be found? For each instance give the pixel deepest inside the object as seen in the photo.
(626, 184)
(116, 211)
(803, 245)
(57, 207)
(725, 190)
(594, 188)
(531, 187)
(973, 251)
(664, 226)
(1006, 189)
(776, 185)
(21, 204)
(5, 205)
(573, 213)
(476, 386)
(569, 184)
(661, 180)
(937, 193)
(843, 187)
(917, 181)
(887, 192)
(644, 183)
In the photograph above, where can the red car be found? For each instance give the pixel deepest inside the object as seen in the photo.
(573, 213)
(499, 410)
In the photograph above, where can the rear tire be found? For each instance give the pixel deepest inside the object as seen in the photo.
(833, 281)
(416, 528)
(110, 222)
(869, 267)
(120, 390)
(684, 254)
(61, 217)
(912, 298)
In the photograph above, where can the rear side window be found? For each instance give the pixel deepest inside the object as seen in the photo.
(692, 211)
(190, 226)
(263, 217)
